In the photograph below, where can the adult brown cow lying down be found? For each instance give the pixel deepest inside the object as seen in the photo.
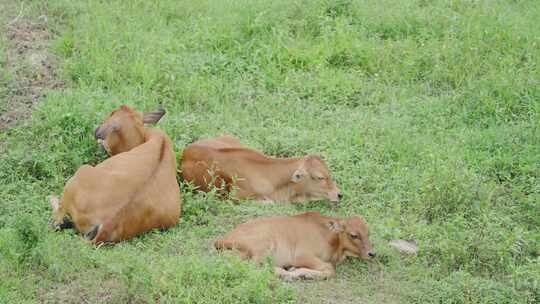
(307, 245)
(224, 161)
(133, 191)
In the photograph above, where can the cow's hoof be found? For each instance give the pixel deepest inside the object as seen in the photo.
(54, 226)
(289, 268)
(287, 278)
(306, 277)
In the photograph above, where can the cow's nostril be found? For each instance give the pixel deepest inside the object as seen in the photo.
(339, 196)
(371, 254)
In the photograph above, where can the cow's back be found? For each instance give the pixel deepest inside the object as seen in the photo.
(155, 204)
(200, 167)
(161, 195)
(87, 197)
(212, 164)
(128, 193)
(224, 141)
(200, 159)
(284, 237)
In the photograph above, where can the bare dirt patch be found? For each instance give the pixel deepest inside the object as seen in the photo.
(30, 69)
(85, 291)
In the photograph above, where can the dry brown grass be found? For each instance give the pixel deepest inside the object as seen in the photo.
(31, 69)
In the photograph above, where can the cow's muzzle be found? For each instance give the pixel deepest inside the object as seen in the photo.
(98, 134)
(335, 197)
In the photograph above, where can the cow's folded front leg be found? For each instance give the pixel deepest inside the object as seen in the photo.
(309, 269)
(308, 274)
(266, 200)
(299, 273)
(284, 274)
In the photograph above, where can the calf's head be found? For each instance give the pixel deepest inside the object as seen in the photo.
(354, 236)
(315, 181)
(123, 129)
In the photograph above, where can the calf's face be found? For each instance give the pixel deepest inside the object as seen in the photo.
(355, 237)
(123, 129)
(315, 180)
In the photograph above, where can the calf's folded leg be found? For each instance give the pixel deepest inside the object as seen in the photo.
(309, 269)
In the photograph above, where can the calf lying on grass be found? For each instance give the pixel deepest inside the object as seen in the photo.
(224, 161)
(133, 191)
(307, 245)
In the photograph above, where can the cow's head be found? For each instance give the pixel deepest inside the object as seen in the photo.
(354, 237)
(124, 129)
(315, 181)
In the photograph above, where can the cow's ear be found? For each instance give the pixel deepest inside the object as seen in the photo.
(55, 202)
(335, 226)
(153, 117)
(298, 175)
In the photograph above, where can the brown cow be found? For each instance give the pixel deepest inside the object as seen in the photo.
(133, 191)
(307, 245)
(224, 161)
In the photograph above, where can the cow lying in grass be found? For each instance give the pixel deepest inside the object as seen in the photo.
(221, 161)
(133, 191)
(307, 245)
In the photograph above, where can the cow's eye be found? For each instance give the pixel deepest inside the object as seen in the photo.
(321, 178)
(354, 236)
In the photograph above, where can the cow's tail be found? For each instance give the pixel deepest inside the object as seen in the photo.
(104, 232)
(93, 233)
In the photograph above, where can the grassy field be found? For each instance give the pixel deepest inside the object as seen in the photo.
(427, 112)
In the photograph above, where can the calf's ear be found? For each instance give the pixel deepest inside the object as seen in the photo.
(335, 226)
(298, 175)
(153, 117)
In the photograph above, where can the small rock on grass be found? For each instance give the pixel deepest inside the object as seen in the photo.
(406, 247)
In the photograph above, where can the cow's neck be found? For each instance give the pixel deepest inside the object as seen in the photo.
(163, 153)
(339, 252)
(280, 172)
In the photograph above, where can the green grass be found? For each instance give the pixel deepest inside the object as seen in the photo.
(7, 15)
(428, 113)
